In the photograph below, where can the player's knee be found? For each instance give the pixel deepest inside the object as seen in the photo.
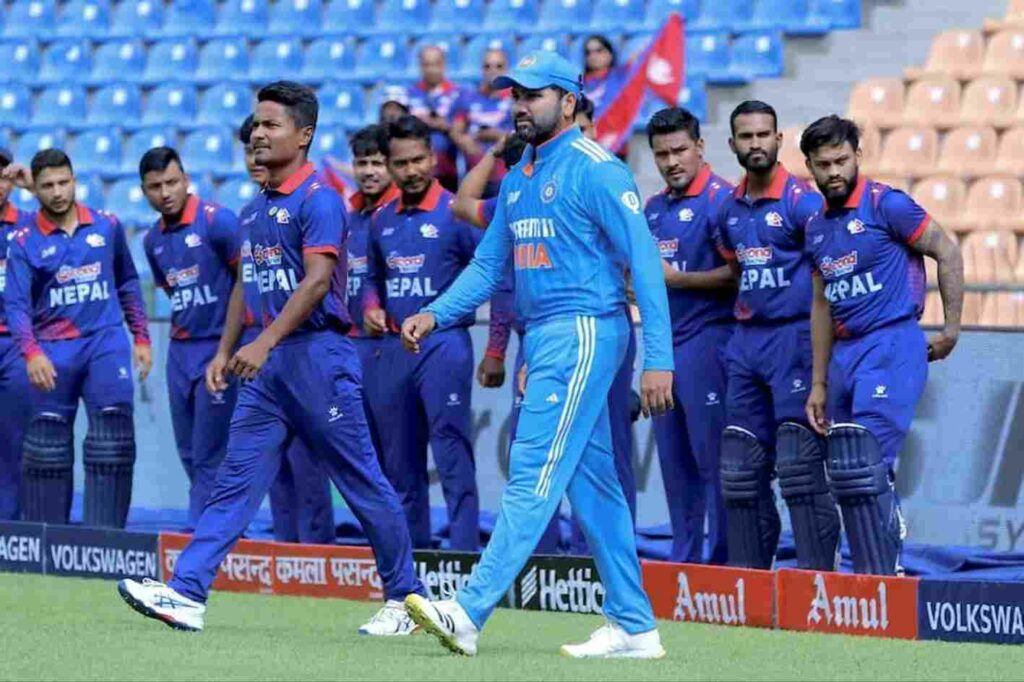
(49, 443)
(111, 438)
(800, 457)
(855, 463)
(744, 465)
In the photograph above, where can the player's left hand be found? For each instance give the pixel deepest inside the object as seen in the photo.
(941, 345)
(249, 359)
(416, 328)
(656, 392)
(143, 360)
(20, 175)
(491, 372)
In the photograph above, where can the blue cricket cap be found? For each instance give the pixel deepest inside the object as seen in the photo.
(542, 69)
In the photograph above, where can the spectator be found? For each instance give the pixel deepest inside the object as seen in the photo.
(394, 104)
(433, 100)
(602, 75)
(484, 117)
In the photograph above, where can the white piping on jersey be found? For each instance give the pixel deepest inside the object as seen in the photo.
(592, 149)
(586, 333)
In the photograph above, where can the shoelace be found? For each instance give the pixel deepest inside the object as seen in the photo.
(388, 613)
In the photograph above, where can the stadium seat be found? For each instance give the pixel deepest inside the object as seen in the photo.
(1010, 155)
(348, 17)
(707, 54)
(296, 18)
(838, 14)
(994, 255)
(402, 16)
(328, 58)
(141, 141)
(615, 16)
(694, 98)
(226, 104)
(274, 59)
(990, 100)
(790, 155)
(88, 186)
(730, 16)
(382, 57)
(97, 151)
(1004, 54)
(116, 105)
(465, 15)
(932, 316)
(1013, 18)
(330, 142)
(877, 101)
(993, 203)
(452, 48)
(1003, 310)
(342, 105)
(757, 55)
(60, 106)
(223, 59)
(477, 47)
(190, 18)
(959, 53)
(564, 15)
(550, 41)
(246, 18)
(31, 142)
(20, 57)
(84, 19)
(15, 104)
(933, 101)
(870, 148)
(910, 152)
(511, 15)
(118, 61)
(658, 11)
(68, 60)
(634, 46)
(1019, 270)
(174, 59)
(208, 150)
(944, 197)
(126, 200)
(900, 182)
(235, 192)
(172, 104)
(32, 19)
(969, 151)
(137, 18)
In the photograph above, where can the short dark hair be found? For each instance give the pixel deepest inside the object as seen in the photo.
(829, 130)
(673, 120)
(605, 43)
(514, 148)
(752, 106)
(584, 107)
(407, 128)
(298, 99)
(245, 131)
(373, 139)
(50, 158)
(158, 159)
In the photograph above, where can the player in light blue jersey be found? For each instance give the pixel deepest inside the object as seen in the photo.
(570, 214)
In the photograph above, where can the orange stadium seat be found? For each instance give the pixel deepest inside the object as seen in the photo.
(895, 181)
(1014, 17)
(1010, 155)
(909, 151)
(933, 101)
(971, 314)
(943, 197)
(1004, 54)
(990, 100)
(969, 151)
(932, 316)
(877, 101)
(1019, 271)
(870, 148)
(959, 53)
(1003, 309)
(993, 255)
(993, 203)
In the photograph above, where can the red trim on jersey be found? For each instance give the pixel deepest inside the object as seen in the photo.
(293, 181)
(480, 218)
(188, 215)
(727, 254)
(919, 230)
(444, 86)
(853, 201)
(699, 183)
(46, 227)
(429, 201)
(780, 176)
(360, 203)
(10, 215)
(333, 250)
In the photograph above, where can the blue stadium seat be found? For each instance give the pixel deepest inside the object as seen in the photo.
(15, 103)
(223, 59)
(225, 104)
(512, 15)
(97, 151)
(20, 57)
(137, 18)
(381, 57)
(403, 16)
(473, 53)
(60, 106)
(550, 41)
(31, 19)
(172, 104)
(66, 61)
(118, 61)
(694, 98)
(658, 10)
(88, 186)
(24, 200)
(201, 186)
(342, 104)
(141, 141)
(794, 17)
(730, 16)
(126, 200)
(190, 18)
(274, 59)
(449, 44)
(242, 18)
(617, 16)
(236, 192)
(330, 142)
(208, 150)
(31, 142)
(757, 55)
(116, 105)
(707, 53)
(839, 14)
(174, 59)
(84, 19)
(348, 17)
(465, 15)
(329, 58)
(296, 18)
(566, 15)
(634, 46)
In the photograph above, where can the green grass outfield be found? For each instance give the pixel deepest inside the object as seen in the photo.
(67, 629)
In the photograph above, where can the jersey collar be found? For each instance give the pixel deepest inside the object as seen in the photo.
(46, 227)
(10, 214)
(428, 202)
(441, 88)
(551, 147)
(698, 184)
(188, 216)
(853, 201)
(360, 203)
(780, 176)
(296, 179)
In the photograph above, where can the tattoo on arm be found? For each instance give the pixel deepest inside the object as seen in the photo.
(936, 244)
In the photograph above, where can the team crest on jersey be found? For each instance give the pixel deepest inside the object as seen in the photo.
(547, 194)
(837, 267)
(83, 273)
(754, 255)
(48, 251)
(192, 240)
(773, 219)
(686, 215)
(185, 277)
(95, 240)
(429, 231)
(631, 201)
(855, 226)
(267, 255)
(406, 264)
(668, 247)
(283, 217)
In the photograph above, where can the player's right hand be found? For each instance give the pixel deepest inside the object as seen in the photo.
(216, 381)
(41, 373)
(416, 328)
(940, 346)
(815, 408)
(656, 392)
(375, 322)
(491, 372)
(20, 175)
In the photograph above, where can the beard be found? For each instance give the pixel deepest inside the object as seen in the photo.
(836, 196)
(537, 130)
(761, 160)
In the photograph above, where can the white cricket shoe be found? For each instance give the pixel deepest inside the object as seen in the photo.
(155, 600)
(447, 621)
(611, 641)
(391, 621)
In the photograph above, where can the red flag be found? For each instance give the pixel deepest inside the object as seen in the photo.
(658, 69)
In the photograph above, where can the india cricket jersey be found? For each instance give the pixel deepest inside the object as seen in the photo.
(766, 236)
(11, 220)
(861, 251)
(193, 262)
(66, 286)
(359, 218)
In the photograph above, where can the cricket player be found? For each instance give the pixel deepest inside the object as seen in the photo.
(71, 285)
(301, 378)
(14, 389)
(701, 293)
(570, 218)
(870, 356)
(768, 359)
(191, 251)
(416, 250)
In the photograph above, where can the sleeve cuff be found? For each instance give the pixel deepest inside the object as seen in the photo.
(727, 254)
(332, 250)
(496, 354)
(33, 352)
(141, 340)
(920, 229)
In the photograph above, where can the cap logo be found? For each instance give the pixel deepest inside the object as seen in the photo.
(527, 61)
